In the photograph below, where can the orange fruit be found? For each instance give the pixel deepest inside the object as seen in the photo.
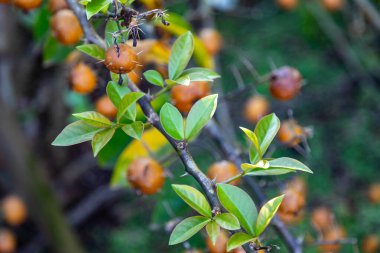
(322, 218)
(184, 97)
(146, 175)
(211, 39)
(371, 244)
(291, 218)
(297, 184)
(287, 4)
(27, 4)
(56, 5)
(8, 242)
(83, 78)
(66, 27)
(256, 107)
(220, 243)
(374, 193)
(290, 133)
(292, 203)
(333, 5)
(222, 171)
(14, 210)
(105, 106)
(285, 83)
(120, 59)
(333, 234)
(135, 75)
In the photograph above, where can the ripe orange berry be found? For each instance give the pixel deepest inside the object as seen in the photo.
(256, 107)
(285, 83)
(220, 243)
(297, 184)
(82, 78)
(211, 39)
(56, 5)
(105, 106)
(66, 27)
(291, 218)
(135, 75)
(121, 59)
(222, 171)
(333, 5)
(371, 244)
(146, 175)
(185, 96)
(374, 193)
(287, 4)
(290, 133)
(27, 4)
(332, 235)
(322, 218)
(14, 210)
(292, 203)
(8, 242)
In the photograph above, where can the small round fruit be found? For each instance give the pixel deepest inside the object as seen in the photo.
(333, 5)
(120, 59)
(222, 171)
(83, 79)
(297, 184)
(256, 107)
(27, 4)
(8, 242)
(374, 193)
(56, 5)
(371, 244)
(290, 133)
(184, 97)
(105, 106)
(146, 175)
(285, 83)
(322, 218)
(66, 27)
(211, 39)
(287, 4)
(292, 203)
(332, 235)
(14, 210)
(220, 243)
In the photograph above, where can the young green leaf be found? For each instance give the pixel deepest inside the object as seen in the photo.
(277, 166)
(265, 130)
(126, 103)
(201, 112)
(266, 214)
(187, 228)
(240, 204)
(95, 6)
(75, 133)
(101, 139)
(92, 50)
(111, 28)
(93, 118)
(172, 121)
(227, 221)
(288, 163)
(154, 77)
(135, 129)
(116, 92)
(238, 240)
(180, 55)
(199, 74)
(255, 141)
(193, 198)
(212, 229)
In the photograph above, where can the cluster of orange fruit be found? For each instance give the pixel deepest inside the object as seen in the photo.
(14, 213)
(330, 5)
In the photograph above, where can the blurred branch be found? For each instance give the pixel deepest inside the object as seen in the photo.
(373, 15)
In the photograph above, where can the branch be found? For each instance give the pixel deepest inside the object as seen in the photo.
(368, 8)
(89, 33)
(234, 155)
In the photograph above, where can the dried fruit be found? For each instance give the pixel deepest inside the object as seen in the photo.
(121, 59)
(66, 27)
(285, 83)
(256, 107)
(83, 79)
(222, 171)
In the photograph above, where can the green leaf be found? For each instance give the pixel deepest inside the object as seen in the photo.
(212, 229)
(172, 121)
(92, 50)
(116, 92)
(101, 139)
(193, 198)
(95, 6)
(265, 130)
(240, 204)
(288, 163)
(277, 166)
(238, 240)
(227, 221)
(198, 74)
(135, 129)
(111, 27)
(255, 141)
(93, 118)
(201, 112)
(187, 228)
(126, 103)
(266, 214)
(154, 77)
(75, 133)
(180, 55)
